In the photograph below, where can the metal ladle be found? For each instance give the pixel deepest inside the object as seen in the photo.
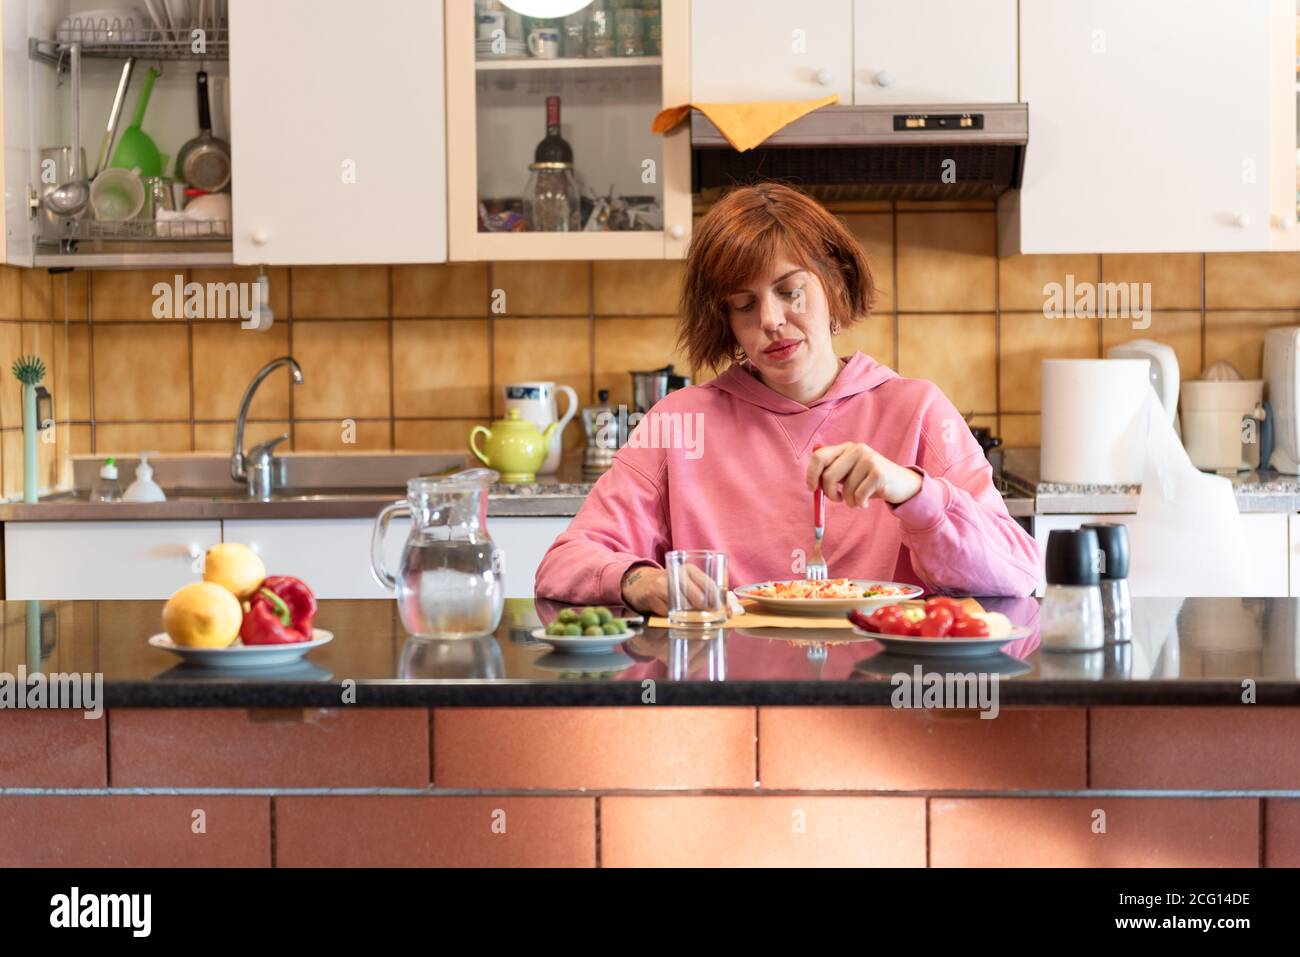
(70, 198)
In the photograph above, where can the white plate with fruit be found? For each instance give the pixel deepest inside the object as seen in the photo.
(585, 631)
(240, 655)
(942, 628)
(238, 616)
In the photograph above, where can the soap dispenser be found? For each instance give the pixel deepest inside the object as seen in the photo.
(106, 488)
(144, 488)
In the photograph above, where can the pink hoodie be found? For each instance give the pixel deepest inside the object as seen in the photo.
(733, 480)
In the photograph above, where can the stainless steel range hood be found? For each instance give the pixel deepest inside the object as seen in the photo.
(950, 151)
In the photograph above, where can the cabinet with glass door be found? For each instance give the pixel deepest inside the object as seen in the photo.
(550, 154)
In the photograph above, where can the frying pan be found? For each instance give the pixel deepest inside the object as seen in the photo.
(204, 161)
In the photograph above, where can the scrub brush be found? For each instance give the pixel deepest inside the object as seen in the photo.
(29, 370)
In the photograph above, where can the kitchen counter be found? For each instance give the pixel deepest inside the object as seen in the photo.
(757, 749)
(1261, 490)
(1184, 652)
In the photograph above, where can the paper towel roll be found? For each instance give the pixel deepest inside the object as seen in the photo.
(1094, 421)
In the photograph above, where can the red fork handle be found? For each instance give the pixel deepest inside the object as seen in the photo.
(819, 502)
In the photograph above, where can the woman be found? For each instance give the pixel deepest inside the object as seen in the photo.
(771, 278)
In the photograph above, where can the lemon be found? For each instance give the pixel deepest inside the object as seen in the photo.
(235, 567)
(202, 615)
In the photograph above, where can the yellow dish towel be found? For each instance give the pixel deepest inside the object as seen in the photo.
(745, 125)
(753, 618)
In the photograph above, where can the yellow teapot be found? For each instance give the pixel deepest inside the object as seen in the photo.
(514, 447)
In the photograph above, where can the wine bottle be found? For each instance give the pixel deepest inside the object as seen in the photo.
(554, 148)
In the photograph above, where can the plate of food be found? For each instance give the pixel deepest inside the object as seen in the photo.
(240, 655)
(828, 596)
(941, 628)
(591, 630)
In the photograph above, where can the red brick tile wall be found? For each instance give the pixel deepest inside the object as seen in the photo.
(652, 786)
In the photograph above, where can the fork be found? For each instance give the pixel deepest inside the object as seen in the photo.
(816, 569)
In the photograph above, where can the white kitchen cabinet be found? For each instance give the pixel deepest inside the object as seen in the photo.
(1293, 554)
(771, 50)
(103, 560)
(1269, 540)
(523, 541)
(337, 131)
(934, 51)
(332, 555)
(1150, 127)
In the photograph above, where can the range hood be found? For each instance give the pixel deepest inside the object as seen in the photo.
(875, 152)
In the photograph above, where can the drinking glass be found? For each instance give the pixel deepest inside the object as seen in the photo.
(697, 587)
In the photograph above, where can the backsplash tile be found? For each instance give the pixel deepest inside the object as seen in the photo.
(412, 357)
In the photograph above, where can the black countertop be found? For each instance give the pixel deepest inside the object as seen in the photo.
(1196, 651)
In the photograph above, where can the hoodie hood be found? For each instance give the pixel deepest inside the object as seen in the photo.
(858, 373)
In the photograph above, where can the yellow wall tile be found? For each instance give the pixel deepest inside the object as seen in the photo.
(128, 438)
(876, 234)
(525, 350)
(1252, 281)
(1181, 331)
(436, 435)
(344, 369)
(1175, 277)
(946, 262)
(1238, 337)
(11, 292)
(11, 391)
(1029, 338)
(220, 436)
(38, 340)
(1021, 279)
(624, 345)
(1018, 431)
(450, 289)
(141, 372)
(128, 295)
(966, 374)
(340, 292)
(359, 435)
(632, 288)
(38, 294)
(542, 288)
(226, 357)
(873, 335)
(12, 441)
(441, 367)
(277, 280)
(72, 296)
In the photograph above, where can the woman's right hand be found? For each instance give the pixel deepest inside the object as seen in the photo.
(645, 588)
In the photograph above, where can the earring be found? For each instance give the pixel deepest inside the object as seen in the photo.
(835, 327)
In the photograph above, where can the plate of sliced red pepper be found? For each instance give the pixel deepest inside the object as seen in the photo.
(276, 629)
(942, 627)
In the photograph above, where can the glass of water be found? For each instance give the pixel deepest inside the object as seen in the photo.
(697, 587)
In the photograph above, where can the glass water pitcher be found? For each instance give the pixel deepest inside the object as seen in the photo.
(450, 582)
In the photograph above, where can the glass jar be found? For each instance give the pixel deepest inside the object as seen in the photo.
(552, 198)
(1071, 618)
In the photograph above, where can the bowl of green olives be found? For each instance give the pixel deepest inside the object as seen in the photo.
(585, 629)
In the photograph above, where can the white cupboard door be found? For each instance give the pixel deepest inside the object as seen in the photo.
(771, 50)
(94, 561)
(337, 131)
(332, 555)
(523, 541)
(1148, 126)
(934, 51)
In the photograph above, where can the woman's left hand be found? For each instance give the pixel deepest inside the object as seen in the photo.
(854, 473)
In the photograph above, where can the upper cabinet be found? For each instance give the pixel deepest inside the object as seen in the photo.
(934, 51)
(771, 50)
(1160, 126)
(551, 155)
(337, 131)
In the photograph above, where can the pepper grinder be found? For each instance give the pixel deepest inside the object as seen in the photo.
(1116, 602)
(1071, 611)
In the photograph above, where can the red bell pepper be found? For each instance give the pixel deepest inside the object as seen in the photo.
(279, 613)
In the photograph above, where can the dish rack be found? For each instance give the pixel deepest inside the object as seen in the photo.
(139, 230)
(119, 37)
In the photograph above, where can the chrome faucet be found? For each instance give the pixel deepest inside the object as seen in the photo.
(258, 468)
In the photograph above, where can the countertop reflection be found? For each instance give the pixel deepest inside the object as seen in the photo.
(1196, 651)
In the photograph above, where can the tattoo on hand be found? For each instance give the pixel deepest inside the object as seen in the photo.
(632, 579)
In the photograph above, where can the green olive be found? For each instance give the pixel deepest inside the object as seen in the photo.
(610, 628)
(588, 618)
(572, 630)
(593, 631)
(603, 614)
